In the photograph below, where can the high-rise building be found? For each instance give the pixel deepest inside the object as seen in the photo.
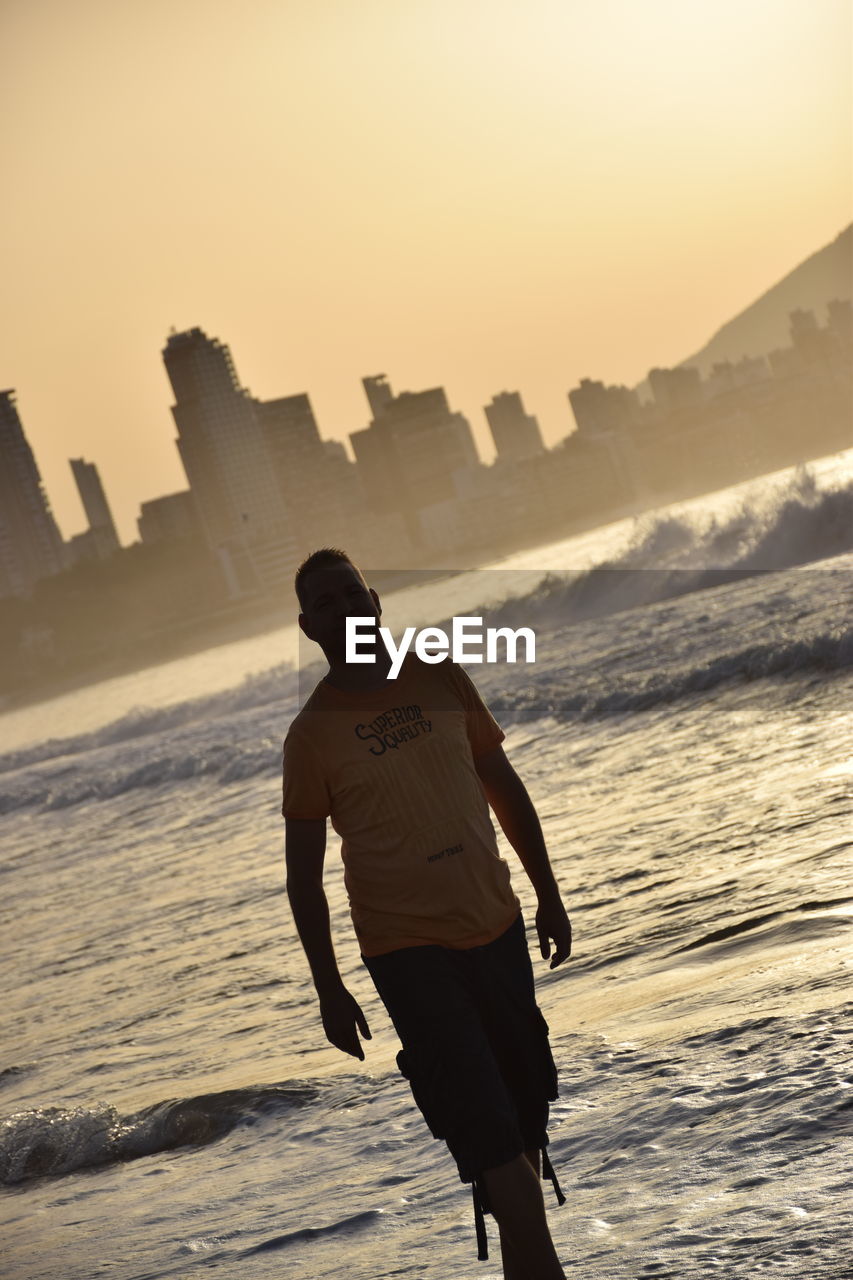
(599, 409)
(408, 455)
(225, 454)
(811, 343)
(675, 389)
(102, 534)
(30, 543)
(516, 434)
(292, 439)
(840, 312)
(319, 485)
(604, 417)
(168, 519)
(379, 394)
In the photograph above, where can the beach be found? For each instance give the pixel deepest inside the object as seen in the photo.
(168, 1104)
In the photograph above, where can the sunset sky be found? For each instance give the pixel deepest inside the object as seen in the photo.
(483, 194)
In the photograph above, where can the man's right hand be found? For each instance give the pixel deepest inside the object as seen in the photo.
(305, 849)
(342, 1021)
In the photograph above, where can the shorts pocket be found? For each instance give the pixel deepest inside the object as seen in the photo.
(547, 1066)
(430, 1092)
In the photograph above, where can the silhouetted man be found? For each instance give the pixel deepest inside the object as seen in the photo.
(406, 770)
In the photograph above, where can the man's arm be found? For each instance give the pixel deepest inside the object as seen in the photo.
(514, 810)
(305, 852)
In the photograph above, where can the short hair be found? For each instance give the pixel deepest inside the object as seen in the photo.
(324, 558)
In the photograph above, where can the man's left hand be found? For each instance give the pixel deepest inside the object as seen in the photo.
(552, 923)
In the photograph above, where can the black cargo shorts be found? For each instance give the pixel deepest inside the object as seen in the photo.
(475, 1045)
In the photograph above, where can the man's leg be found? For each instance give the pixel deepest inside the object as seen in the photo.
(512, 1268)
(515, 1199)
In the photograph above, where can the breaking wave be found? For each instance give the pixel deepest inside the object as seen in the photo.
(266, 688)
(224, 762)
(52, 1141)
(550, 697)
(235, 734)
(593, 694)
(672, 556)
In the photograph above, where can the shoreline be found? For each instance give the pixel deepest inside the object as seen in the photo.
(248, 619)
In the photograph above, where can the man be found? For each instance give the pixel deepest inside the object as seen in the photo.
(406, 769)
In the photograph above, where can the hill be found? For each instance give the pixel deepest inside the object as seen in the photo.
(764, 325)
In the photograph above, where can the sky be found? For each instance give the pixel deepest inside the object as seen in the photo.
(486, 195)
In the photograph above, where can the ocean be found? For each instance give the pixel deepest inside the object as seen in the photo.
(168, 1104)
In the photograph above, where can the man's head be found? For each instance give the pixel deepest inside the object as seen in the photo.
(331, 589)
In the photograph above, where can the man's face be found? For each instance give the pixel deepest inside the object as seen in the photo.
(330, 597)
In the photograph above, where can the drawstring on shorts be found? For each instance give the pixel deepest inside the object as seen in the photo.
(481, 1206)
(548, 1172)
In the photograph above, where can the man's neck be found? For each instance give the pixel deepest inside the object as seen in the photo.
(355, 677)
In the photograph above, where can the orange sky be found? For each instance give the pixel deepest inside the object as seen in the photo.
(489, 195)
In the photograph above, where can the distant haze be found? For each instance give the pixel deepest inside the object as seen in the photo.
(765, 325)
(496, 196)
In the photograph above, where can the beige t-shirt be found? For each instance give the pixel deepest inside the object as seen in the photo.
(394, 770)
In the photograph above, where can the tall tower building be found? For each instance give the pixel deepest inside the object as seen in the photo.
(408, 455)
(516, 434)
(228, 464)
(102, 530)
(379, 394)
(675, 389)
(30, 543)
(599, 409)
(292, 440)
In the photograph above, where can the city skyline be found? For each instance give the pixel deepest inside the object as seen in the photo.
(202, 372)
(262, 482)
(485, 198)
(265, 488)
